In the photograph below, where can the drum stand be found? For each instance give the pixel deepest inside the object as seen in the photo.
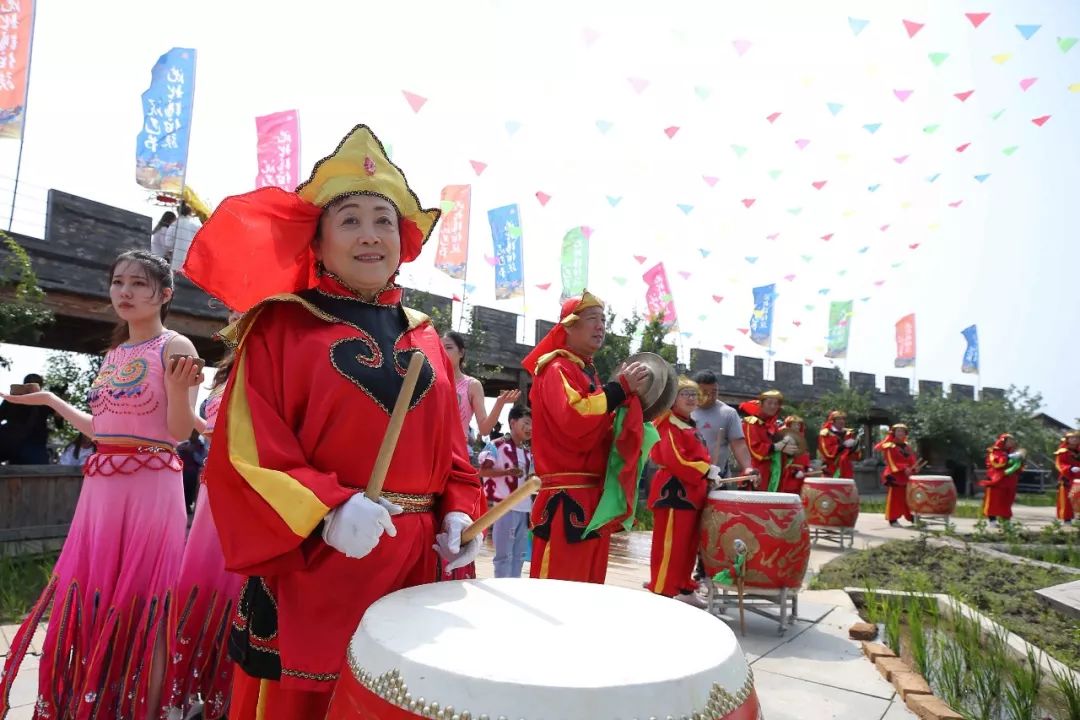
(768, 603)
(840, 536)
(942, 520)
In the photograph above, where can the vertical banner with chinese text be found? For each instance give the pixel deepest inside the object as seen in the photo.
(839, 328)
(575, 262)
(278, 148)
(452, 253)
(761, 320)
(509, 260)
(658, 297)
(905, 341)
(161, 149)
(16, 36)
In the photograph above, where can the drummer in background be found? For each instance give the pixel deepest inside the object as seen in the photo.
(838, 446)
(794, 467)
(1067, 462)
(319, 364)
(504, 464)
(719, 425)
(676, 497)
(572, 438)
(761, 426)
(900, 462)
(1004, 462)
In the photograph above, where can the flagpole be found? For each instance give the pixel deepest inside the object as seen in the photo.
(26, 105)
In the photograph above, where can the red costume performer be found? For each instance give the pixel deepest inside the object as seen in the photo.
(573, 436)
(1067, 462)
(1003, 465)
(900, 464)
(838, 447)
(761, 429)
(794, 467)
(318, 368)
(676, 498)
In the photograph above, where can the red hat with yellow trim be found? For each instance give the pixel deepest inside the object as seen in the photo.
(259, 244)
(555, 340)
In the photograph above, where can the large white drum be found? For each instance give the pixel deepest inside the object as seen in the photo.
(543, 649)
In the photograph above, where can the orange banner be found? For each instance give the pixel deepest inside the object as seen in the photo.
(452, 254)
(16, 33)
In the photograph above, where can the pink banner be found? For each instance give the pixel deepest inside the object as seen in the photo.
(452, 253)
(905, 341)
(279, 150)
(658, 295)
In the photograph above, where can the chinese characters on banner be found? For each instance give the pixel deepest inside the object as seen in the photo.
(970, 363)
(839, 328)
(278, 150)
(509, 263)
(761, 320)
(905, 341)
(452, 253)
(658, 297)
(575, 262)
(16, 34)
(162, 146)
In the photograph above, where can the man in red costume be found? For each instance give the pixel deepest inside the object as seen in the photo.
(794, 467)
(900, 464)
(573, 434)
(320, 360)
(761, 426)
(838, 446)
(677, 496)
(1003, 465)
(1067, 462)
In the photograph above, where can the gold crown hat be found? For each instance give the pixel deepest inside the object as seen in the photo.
(686, 383)
(771, 394)
(360, 166)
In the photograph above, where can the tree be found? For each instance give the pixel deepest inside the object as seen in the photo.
(652, 340)
(23, 310)
(70, 376)
(855, 404)
(616, 346)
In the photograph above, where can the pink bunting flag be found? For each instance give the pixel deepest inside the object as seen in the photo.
(956, 204)
(415, 101)
(490, 260)
(747, 202)
(1027, 83)
(543, 286)
(1040, 121)
(543, 197)
(710, 180)
(640, 259)
(772, 118)
(818, 184)
(729, 348)
(902, 95)
(586, 231)
(639, 84)
(912, 27)
(809, 361)
(884, 227)
(977, 19)
(879, 283)
(827, 237)
(797, 323)
(455, 297)
(789, 278)
(963, 96)
(773, 236)
(590, 36)
(900, 160)
(718, 298)
(671, 131)
(685, 275)
(802, 143)
(741, 46)
(744, 331)
(962, 148)
(477, 166)
(914, 246)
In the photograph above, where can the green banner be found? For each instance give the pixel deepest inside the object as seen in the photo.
(839, 328)
(575, 262)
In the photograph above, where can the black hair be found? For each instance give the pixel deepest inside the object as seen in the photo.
(224, 368)
(459, 340)
(166, 220)
(34, 378)
(705, 377)
(518, 412)
(185, 209)
(158, 272)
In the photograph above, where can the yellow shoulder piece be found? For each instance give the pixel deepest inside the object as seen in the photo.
(752, 420)
(887, 445)
(415, 318)
(674, 420)
(1060, 451)
(824, 432)
(544, 360)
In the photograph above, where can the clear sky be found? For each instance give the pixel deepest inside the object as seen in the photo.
(542, 93)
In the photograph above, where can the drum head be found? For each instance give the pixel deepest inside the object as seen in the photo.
(932, 478)
(756, 497)
(663, 384)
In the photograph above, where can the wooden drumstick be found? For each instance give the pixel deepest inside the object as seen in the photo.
(500, 508)
(814, 473)
(393, 430)
(919, 466)
(733, 480)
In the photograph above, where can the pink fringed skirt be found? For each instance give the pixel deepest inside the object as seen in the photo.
(199, 666)
(109, 597)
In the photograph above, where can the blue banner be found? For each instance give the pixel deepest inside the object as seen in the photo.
(161, 149)
(761, 320)
(509, 262)
(971, 354)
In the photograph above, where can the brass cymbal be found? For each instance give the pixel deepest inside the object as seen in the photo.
(663, 385)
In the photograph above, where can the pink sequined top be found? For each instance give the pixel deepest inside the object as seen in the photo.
(127, 398)
(464, 406)
(210, 408)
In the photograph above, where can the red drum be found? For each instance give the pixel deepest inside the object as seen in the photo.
(931, 495)
(527, 648)
(830, 502)
(773, 526)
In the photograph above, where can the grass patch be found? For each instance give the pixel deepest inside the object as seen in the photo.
(643, 517)
(1000, 589)
(21, 581)
(970, 508)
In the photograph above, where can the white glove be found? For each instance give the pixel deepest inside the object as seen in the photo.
(849, 443)
(715, 472)
(355, 526)
(1074, 469)
(791, 450)
(800, 475)
(1015, 455)
(448, 542)
(780, 445)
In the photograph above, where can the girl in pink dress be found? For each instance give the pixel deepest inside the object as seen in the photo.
(200, 668)
(106, 646)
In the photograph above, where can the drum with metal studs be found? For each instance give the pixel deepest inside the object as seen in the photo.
(831, 502)
(931, 495)
(545, 649)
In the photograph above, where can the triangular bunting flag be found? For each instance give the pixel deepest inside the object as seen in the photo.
(1001, 58)
(795, 210)
(718, 298)
(1011, 149)
(902, 95)
(977, 19)
(938, 57)
(801, 143)
(477, 166)
(740, 150)
(747, 202)
(491, 261)
(996, 115)
(1027, 83)
(704, 252)
(1028, 30)
(639, 84)
(834, 108)
(543, 286)
(982, 178)
(1040, 121)
(415, 101)
(900, 160)
(702, 92)
(873, 188)
(741, 46)
(640, 259)
(512, 126)
(671, 131)
(613, 200)
(604, 126)
(857, 25)
(912, 27)
(962, 148)
(818, 184)
(751, 259)
(710, 180)
(687, 209)
(543, 197)
(827, 237)
(930, 129)
(772, 118)
(1066, 44)
(872, 127)
(619, 280)
(774, 174)
(962, 96)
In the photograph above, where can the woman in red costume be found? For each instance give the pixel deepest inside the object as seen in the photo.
(677, 496)
(900, 464)
(1003, 465)
(1067, 462)
(320, 358)
(761, 425)
(838, 446)
(794, 467)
